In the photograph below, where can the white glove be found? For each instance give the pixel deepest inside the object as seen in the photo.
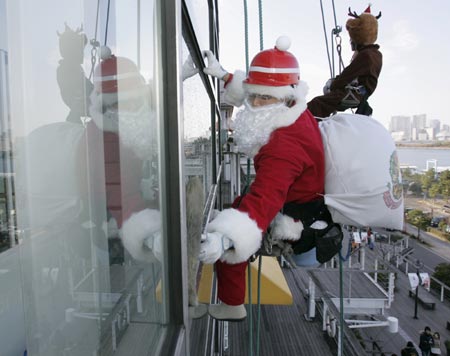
(213, 246)
(141, 235)
(188, 69)
(327, 87)
(214, 68)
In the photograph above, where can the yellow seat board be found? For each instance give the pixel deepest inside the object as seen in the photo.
(274, 288)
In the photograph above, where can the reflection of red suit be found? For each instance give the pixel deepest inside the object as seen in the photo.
(122, 173)
(289, 168)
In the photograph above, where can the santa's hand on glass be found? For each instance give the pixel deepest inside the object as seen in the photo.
(212, 247)
(214, 68)
(141, 235)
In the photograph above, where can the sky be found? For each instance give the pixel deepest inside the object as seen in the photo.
(412, 36)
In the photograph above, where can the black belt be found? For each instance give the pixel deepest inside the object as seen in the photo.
(308, 212)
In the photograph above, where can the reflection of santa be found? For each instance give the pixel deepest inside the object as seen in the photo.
(124, 122)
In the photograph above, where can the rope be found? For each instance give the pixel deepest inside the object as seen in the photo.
(341, 305)
(334, 32)
(349, 252)
(261, 36)
(94, 43)
(326, 38)
(246, 35)
(258, 322)
(250, 313)
(107, 23)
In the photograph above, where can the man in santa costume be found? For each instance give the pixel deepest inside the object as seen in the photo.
(124, 120)
(361, 74)
(277, 130)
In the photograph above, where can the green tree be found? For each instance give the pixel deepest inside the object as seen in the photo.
(442, 225)
(434, 190)
(444, 184)
(411, 182)
(428, 179)
(442, 272)
(418, 219)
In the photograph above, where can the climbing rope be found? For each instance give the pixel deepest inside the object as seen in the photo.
(349, 252)
(107, 23)
(94, 43)
(250, 296)
(326, 38)
(250, 314)
(258, 322)
(336, 33)
(341, 306)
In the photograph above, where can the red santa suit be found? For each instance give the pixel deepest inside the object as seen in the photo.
(124, 122)
(289, 169)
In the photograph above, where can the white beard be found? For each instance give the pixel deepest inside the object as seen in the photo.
(137, 130)
(253, 126)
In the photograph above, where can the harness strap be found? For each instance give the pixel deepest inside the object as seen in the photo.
(308, 212)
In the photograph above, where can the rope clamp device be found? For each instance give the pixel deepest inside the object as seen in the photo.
(277, 248)
(337, 30)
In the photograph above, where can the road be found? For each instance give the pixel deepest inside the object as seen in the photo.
(431, 251)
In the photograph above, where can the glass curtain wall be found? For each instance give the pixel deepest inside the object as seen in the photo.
(82, 270)
(200, 111)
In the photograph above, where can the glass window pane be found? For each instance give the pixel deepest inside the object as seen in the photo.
(86, 154)
(199, 14)
(198, 169)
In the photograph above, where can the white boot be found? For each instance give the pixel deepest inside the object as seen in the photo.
(227, 312)
(198, 311)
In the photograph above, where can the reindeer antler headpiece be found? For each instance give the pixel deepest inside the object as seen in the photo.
(363, 29)
(72, 42)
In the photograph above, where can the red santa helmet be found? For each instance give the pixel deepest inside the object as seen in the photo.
(274, 71)
(117, 77)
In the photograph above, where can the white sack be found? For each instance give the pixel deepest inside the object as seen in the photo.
(363, 181)
(51, 175)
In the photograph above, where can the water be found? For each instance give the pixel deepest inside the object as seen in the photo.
(419, 156)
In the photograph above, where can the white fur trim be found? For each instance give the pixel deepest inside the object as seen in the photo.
(298, 92)
(241, 230)
(234, 92)
(136, 229)
(286, 228)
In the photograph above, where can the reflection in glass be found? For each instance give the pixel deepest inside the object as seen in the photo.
(86, 164)
(198, 169)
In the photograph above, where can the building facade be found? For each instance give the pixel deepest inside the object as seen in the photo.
(69, 183)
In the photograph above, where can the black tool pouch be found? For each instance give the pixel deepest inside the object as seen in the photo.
(328, 242)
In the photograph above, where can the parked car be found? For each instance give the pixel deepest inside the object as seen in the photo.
(436, 220)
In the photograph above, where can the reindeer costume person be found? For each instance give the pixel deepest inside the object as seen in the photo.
(361, 73)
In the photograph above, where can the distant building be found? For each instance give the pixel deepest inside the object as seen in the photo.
(422, 135)
(435, 124)
(401, 124)
(445, 127)
(431, 133)
(443, 136)
(419, 122)
(399, 136)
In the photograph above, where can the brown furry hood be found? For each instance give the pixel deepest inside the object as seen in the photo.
(363, 30)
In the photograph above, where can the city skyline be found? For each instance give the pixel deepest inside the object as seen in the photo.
(411, 81)
(418, 128)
